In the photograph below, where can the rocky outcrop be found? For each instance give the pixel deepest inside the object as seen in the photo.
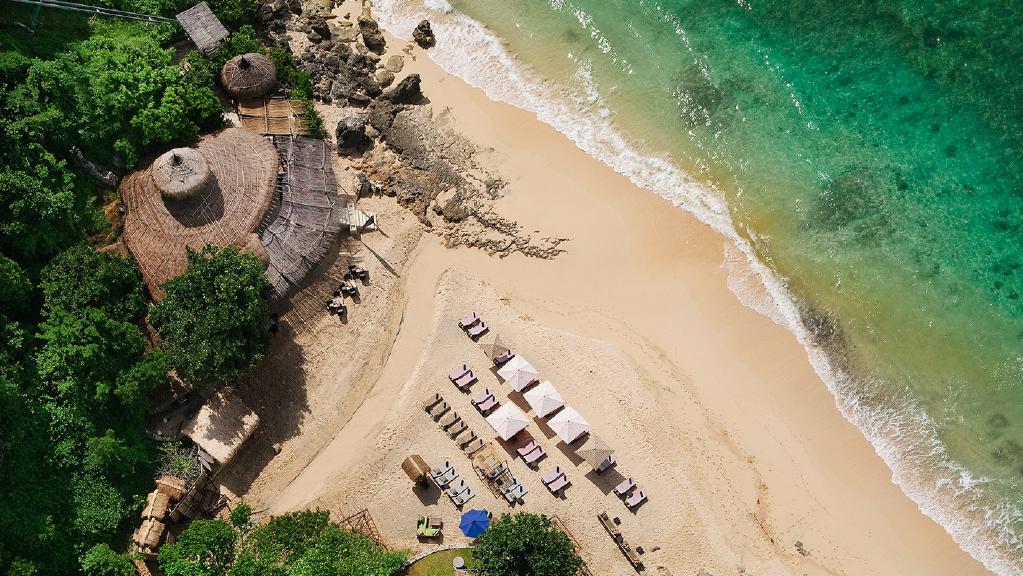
(371, 35)
(395, 63)
(384, 77)
(423, 34)
(408, 91)
(351, 132)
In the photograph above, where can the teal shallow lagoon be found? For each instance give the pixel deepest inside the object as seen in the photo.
(869, 154)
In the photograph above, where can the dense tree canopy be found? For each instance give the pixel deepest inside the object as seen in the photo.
(525, 545)
(296, 544)
(214, 317)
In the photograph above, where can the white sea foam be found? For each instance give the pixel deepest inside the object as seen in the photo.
(900, 431)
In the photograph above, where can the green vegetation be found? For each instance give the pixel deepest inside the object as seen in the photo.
(525, 545)
(298, 544)
(440, 563)
(214, 317)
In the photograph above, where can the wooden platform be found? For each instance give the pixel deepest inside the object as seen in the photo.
(273, 116)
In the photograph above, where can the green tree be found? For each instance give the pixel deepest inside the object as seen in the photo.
(101, 560)
(214, 317)
(525, 545)
(81, 278)
(15, 287)
(205, 548)
(241, 515)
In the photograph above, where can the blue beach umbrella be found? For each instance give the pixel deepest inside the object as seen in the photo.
(474, 523)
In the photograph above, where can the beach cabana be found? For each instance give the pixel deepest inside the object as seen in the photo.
(519, 373)
(249, 75)
(474, 523)
(594, 450)
(507, 421)
(416, 469)
(569, 424)
(543, 398)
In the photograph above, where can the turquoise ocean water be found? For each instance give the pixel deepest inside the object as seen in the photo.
(865, 155)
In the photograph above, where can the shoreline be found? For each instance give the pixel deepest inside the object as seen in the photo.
(647, 279)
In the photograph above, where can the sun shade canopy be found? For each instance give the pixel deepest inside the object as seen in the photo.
(507, 421)
(518, 373)
(543, 398)
(568, 424)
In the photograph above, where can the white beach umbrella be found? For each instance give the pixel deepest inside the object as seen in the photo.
(568, 424)
(519, 373)
(507, 420)
(544, 399)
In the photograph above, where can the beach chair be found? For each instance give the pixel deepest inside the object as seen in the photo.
(483, 396)
(531, 458)
(487, 405)
(465, 380)
(457, 429)
(441, 470)
(446, 479)
(505, 485)
(425, 529)
(472, 436)
(552, 475)
(503, 358)
(496, 470)
(457, 489)
(623, 488)
(606, 464)
(358, 271)
(473, 447)
(432, 401)
(439, 410)
(636, 499)
(478, 330)
(459, 372)
(559, 484)
(516, 493)
(532, 445)
(449, 420)
(464, 497)
(468, 321)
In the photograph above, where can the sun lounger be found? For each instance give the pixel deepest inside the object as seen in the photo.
(623, 488)
(483, 396)
(441, 470)
(506, 485)
(532, 445)
(432, 401)
(606, 464)
(478, 329)
(358, 271)
(457, 429)
(636, 499)
(465, 380)
(531, 458)
(464, 497)
(469, 320)
(473, 447)
(439, 410)
(516, 493)
(487, 405)
(449, 420)
(496, 470)
(446, 479)
(457, 489)
(553, 475)
(503, 357)
(468, 438)
(559, 484)
(458, 372)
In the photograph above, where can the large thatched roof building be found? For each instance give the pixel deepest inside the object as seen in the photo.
(216, 193)
(249, 75)
(305, 218)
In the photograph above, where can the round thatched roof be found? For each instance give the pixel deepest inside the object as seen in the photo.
(181, 173)
(243, 170)
(248, 75)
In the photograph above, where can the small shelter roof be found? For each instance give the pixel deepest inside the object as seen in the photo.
(203, 27)
(172, 486)
(519, 373)
(493, 345)
(544, 398)
(507, 421)
(416, 468)
(149, 534)
(221, 426)
(248, 75)
(569, 424)
(157, 504)
(594, 450)
(169, 207)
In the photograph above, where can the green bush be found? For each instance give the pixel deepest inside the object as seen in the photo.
(525, 545)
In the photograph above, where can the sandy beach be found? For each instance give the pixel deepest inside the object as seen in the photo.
(710, 406)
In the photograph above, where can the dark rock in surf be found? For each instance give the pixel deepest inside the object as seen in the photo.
(423, 34)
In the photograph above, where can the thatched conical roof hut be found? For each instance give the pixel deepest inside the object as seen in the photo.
(216, 193)
(248, 75)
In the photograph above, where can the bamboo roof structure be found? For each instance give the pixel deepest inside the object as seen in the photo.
(416, 468)
(216, 193)
(273, 116)
(149, 534)
(157, 505)
(222, 426)
(305, 220)
(203, 27)
(172, 486)
(248, 75)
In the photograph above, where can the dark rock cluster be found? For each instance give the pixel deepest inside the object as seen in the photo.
(423, 34)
